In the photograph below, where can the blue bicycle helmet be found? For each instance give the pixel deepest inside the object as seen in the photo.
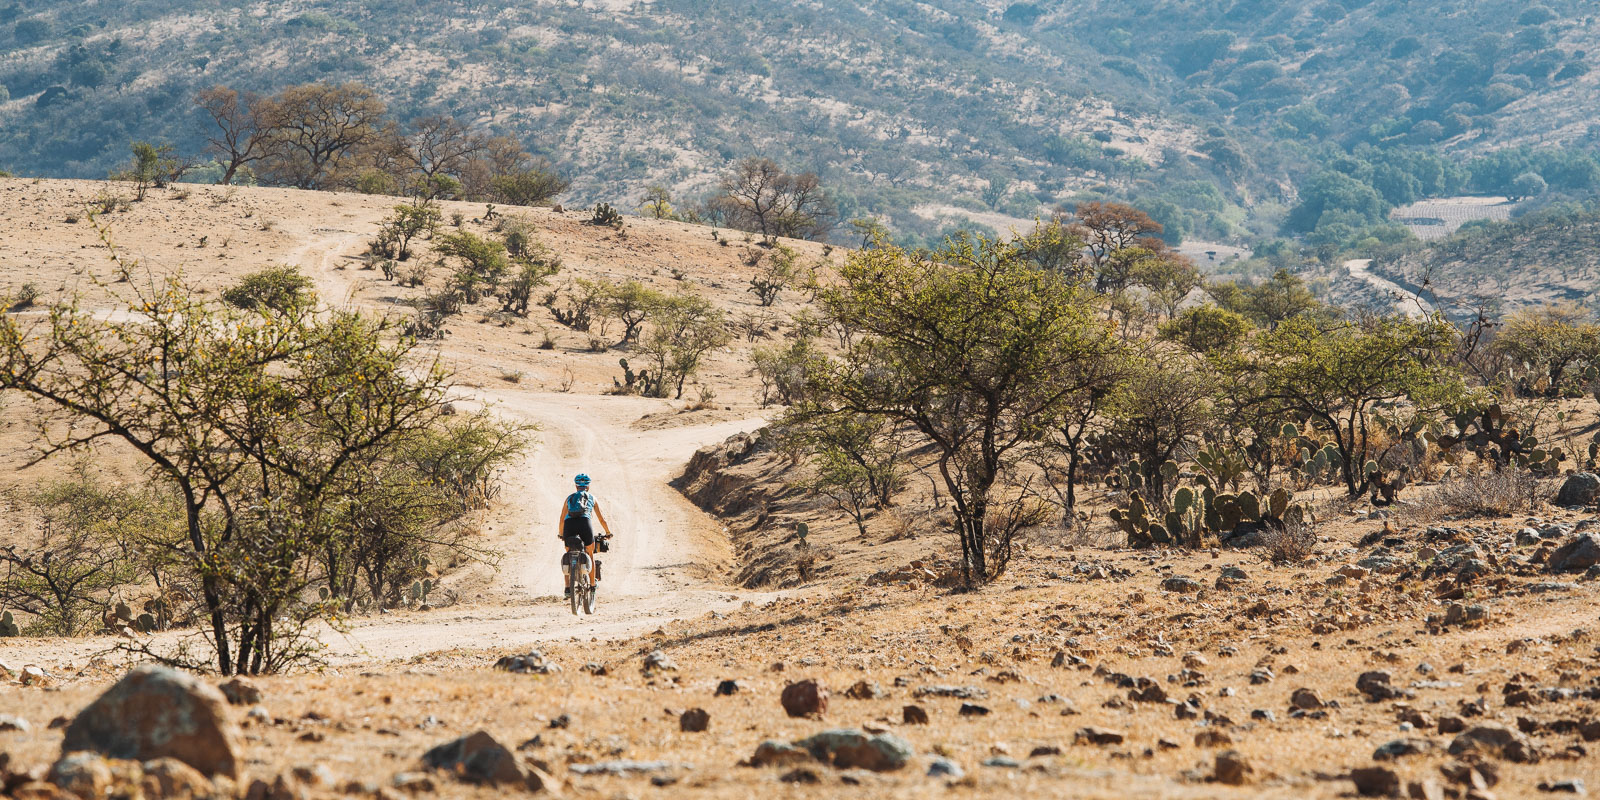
(581, 480)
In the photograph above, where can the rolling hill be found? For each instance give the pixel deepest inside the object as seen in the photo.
(1207, 111)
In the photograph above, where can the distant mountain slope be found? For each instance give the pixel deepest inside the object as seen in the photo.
(994, 106)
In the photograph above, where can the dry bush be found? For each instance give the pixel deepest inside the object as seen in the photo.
(1292, 543)
(1499, 493)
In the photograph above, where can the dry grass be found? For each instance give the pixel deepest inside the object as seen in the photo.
(1499, 493)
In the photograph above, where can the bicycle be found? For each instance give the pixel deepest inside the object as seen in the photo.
(577, 564)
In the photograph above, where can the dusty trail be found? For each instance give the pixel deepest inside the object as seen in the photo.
(662, 564)
(1405, 301)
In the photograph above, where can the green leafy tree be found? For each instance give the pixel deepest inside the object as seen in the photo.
(282, 288)
(630, 303)
(1337, 374)
(1206, 329)
(683, 330)
(1550, 339)
(976, 350)
(254, 421)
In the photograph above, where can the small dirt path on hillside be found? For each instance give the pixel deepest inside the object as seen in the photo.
(1405, 301)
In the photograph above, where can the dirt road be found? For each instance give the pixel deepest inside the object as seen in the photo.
(1404, 301)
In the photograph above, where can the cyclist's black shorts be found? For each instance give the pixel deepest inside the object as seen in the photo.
(577, 531)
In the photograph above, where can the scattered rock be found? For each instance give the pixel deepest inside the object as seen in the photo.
(1378, 686)
(1466, 616)
(1261, 676)
(625, 767)
(86, 775)
(414, 782)
(171, 779)
(1579, 553)
(1212, 738)
(1183, 584)
(805, 698)
(479, 758)
(695, 720)
(850, 749)
(865, 690)
(914, 715)
(36, 676)
(973, 710)
(658, 661)
(773, 753)
(1451, 723)
(1002, 762)
(1568, 786)
(1398, 748)
(1101, 736)
(1231, 768)
(10, 723)
(1496, 740)
(728, 688)
(240, 692)
(1376, 782)
(156, 712)
(957, 692)
(1426, 789)
(1306, 699)
(945, 768)
(801, 775)
(533, 663)
(1580, 489)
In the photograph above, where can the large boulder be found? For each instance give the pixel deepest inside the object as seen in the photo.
(1577, 555)
(479, 758)
(853, 749)
(1580, 489)
(1496, 740)
(156, 712)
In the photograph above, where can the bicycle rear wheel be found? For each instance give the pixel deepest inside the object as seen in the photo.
(574, 579)
(588, 599)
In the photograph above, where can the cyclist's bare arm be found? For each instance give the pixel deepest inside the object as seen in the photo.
(602, 518)
(561, 524)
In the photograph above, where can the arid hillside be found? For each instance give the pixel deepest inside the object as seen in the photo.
(1442, 646)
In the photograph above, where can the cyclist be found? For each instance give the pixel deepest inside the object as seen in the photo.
(575, 528)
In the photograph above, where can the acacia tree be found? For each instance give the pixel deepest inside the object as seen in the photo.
(1338, 373)
(758, 195)
(315, 127)
(253, 418)
(683, 329)
(437, 149)
(976, 350)
(1164, 403)
(239, 139)
(1549, 339)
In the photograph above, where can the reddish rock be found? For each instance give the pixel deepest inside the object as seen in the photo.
(805, 698)
(695, 720)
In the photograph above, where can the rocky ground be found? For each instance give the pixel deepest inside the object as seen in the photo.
(1450, 661)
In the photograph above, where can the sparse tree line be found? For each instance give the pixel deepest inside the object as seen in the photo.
(1087, 354)
(339, 136)
(299, 464)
